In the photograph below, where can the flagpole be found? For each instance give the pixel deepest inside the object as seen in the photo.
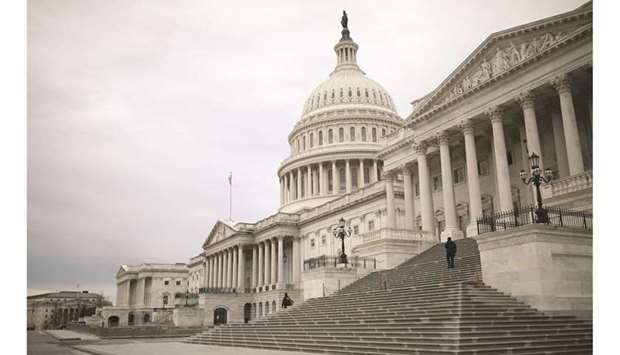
(230, 197)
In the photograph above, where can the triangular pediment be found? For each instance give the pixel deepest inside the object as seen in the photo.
(220, 231)
(504, 52)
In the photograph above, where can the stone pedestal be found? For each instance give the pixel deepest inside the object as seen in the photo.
(548, 267)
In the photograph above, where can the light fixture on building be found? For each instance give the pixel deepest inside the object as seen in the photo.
(341, 232)
(537, 178)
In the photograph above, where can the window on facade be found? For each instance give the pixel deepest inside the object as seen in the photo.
(363, 134)
(483, 167)
(374, 134)
(352, 134)
(417, 188)
(320, 137)
(178, 283)
(312, 243)
(311, 140)
(166, 282)
(330, 136)
(459, 175)
(382, 132)
(436, 183)
(323, 240)
(509, 157)
(356, 230)
(303, 144)
(165, 300)
(371, 225)
(297, 141)
(341, 134)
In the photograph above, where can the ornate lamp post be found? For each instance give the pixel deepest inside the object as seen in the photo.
(537, 178)
(342, 232)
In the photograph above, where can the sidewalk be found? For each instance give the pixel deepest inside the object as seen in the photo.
(64, 335)
(173, 348)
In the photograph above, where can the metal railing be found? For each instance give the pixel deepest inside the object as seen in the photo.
(527, 215)
(325, 261)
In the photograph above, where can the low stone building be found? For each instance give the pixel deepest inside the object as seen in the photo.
(56, 309)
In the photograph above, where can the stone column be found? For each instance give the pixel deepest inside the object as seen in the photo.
(501, 159)
(261, 252)
(335, 178)
(409, 207)
(389, 198)
(212, 272)
(267, 261)
(348, 175)
(426, 197)
(281, 190)
(225, 270)
(298, 195)
(527, 101)
(254, 266)
(235, 270)
(274, 259)
(219, 270)
(296, 262)
(289, 191)
(374, 174)
(473, 182)
(241, 270)
(360, 175)
(281, 282)
(322, 185)
(559, 141)
(315, 182)
(207, 270)
(569, 120)
(449, 204)
(308, 182)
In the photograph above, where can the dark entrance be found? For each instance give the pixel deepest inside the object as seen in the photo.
(219, 316)
(146, 318)
(130, 318)
(247, 312)
(113, 321)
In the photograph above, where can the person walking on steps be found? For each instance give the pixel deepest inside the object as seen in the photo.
(450, 252)
(286, 301)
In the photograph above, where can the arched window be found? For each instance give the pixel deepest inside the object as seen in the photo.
(374, 134)
(330, 136)
(340, 134)
(320, 137)
(352, 134)
(382, 132)
(311, 140)
(363, 134)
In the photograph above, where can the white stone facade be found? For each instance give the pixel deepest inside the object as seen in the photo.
(403, 185)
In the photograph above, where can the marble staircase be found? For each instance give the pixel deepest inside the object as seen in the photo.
(419, 307)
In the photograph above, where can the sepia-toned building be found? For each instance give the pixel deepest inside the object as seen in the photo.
(405, 184)
(56, 309)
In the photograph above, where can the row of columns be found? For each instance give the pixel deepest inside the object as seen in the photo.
(226, 269)
(315, 179)
(568, 154)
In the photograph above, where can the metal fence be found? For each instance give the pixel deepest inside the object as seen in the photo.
(527, 215)
(332, 261)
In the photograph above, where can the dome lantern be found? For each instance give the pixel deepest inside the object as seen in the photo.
(346, 49)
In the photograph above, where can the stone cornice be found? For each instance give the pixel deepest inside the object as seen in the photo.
(584, 31)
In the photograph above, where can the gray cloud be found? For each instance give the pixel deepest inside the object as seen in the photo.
(137, 111)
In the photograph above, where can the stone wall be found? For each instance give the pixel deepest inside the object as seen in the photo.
(548, 267)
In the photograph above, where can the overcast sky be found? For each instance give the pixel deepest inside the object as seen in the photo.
(138, 110)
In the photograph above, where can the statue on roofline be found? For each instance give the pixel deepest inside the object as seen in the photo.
(345, 20)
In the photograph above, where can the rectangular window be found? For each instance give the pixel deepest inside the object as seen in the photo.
(303, 144)
(383, 132)
(459, 175)
(166, 282)
(312, 243)
(341, 134)
(483, 167)
(320, 137)
(330, 136)
(437, 183)
(374, 134)
(352, 134)
(371, 225)
(363, 134)
(323, 240)
(356, 230)
(311, 140)
(178, 283)
(417, 188)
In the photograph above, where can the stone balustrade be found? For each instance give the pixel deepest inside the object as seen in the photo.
(399, 234)
(567, 185)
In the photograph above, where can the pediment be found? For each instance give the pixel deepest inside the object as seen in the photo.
(220, 231)
(504, 52)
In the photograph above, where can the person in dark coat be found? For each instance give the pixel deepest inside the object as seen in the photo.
(286, 301)
(450, 252)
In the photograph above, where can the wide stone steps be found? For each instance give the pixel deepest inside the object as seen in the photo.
(419, 307)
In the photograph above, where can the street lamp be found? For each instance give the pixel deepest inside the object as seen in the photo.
(537, 178)
(342, 232)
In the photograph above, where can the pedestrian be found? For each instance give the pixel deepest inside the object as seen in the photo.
(286, 301)
(450, 252)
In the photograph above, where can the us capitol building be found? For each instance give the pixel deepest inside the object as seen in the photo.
(402, 184)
